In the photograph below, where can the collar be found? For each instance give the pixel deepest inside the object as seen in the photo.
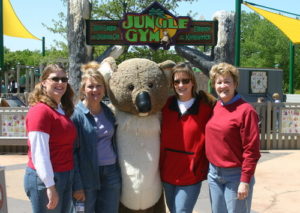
(84, 109)
(192, 110)
(234, 99)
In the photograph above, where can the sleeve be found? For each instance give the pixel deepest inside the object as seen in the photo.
(77, 183)
(251, 143)
(41, 156)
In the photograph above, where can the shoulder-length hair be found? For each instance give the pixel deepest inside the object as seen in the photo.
(39, 95)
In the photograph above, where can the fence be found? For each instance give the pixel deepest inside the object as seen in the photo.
(279, 126)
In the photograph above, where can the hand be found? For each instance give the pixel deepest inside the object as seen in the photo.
(79, 195)
(52, 197)
(243, 191)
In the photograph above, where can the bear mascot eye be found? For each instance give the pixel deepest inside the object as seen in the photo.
(150, 85)
(130, 87)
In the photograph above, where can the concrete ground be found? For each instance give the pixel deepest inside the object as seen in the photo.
(277, 188)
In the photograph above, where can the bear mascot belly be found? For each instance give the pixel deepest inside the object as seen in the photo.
(138, 89)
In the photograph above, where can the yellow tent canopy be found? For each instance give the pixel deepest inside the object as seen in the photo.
(12, 26)
(289, 26)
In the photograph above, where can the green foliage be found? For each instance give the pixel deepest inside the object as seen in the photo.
(263, 45)
(33, 58)
(114, 10)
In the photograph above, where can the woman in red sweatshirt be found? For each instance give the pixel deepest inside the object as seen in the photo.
(232, 144)
(183, 164)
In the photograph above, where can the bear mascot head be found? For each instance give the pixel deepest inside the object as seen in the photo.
(138, 89)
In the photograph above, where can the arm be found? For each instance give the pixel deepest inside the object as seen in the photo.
(78, 192)
(251, 144)
(41, 159)
(251, 154)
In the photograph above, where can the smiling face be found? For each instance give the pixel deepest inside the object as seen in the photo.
(55, 85)
(93, 90)
(183, 86)
(225, 87)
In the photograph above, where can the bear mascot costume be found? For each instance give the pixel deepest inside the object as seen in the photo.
(138, 89)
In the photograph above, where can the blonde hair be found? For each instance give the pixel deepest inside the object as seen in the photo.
(90, 70)
(187, 69)
(276, 96)
(223, 69)
(39, 95)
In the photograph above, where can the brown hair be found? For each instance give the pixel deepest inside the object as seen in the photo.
(90, 70)
(38, 94)
(223, 69)
(185, 68)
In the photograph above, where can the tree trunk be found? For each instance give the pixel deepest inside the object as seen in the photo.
(79, 52)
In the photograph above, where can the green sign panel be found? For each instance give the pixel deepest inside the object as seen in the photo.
(155, 27)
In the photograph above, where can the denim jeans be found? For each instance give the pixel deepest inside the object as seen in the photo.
(223, 186)
(35, 189)
(107, 199)
(181, 199)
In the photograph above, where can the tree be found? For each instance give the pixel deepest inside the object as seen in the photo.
(264, 45)
(114, 10)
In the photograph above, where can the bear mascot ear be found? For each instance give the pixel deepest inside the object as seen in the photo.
(167, 67)
(107, 67)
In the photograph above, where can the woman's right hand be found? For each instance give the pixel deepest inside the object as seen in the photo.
(79, 195)
(52, 197)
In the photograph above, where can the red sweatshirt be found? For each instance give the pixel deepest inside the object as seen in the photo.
(232, 137)
(182, 156)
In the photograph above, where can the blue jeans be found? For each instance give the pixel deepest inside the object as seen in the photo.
(35, 189)
(223, 186)
(181, 199)
(107, 199)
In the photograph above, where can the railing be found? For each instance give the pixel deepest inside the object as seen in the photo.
(24, 82)
(279, 126)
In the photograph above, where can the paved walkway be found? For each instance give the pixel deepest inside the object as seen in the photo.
(277, 188)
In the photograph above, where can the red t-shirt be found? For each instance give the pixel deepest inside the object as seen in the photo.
(232, 137)
(61, 130)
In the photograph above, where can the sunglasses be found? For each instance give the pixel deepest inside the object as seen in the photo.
(57, 79)
(183, 81)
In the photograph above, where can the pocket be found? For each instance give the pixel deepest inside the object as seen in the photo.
(39, 183)
(32, 181)
(178, 164)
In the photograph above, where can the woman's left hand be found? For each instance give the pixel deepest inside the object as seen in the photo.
(243, 191)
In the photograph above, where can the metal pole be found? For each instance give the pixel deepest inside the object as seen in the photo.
(291, 74)
(237, 32)
(1, 40)
(43, 46)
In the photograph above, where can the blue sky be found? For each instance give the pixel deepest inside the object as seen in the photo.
(33, 13)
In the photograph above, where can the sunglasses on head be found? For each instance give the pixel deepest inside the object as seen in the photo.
(183, 81)
(57, 79)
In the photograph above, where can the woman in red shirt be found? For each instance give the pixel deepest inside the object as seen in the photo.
(232, 144)
(183, 164)
(51, 134)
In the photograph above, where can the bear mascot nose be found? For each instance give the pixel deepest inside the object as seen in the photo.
(143, 102)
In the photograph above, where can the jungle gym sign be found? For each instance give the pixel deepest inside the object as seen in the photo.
(155, 27)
